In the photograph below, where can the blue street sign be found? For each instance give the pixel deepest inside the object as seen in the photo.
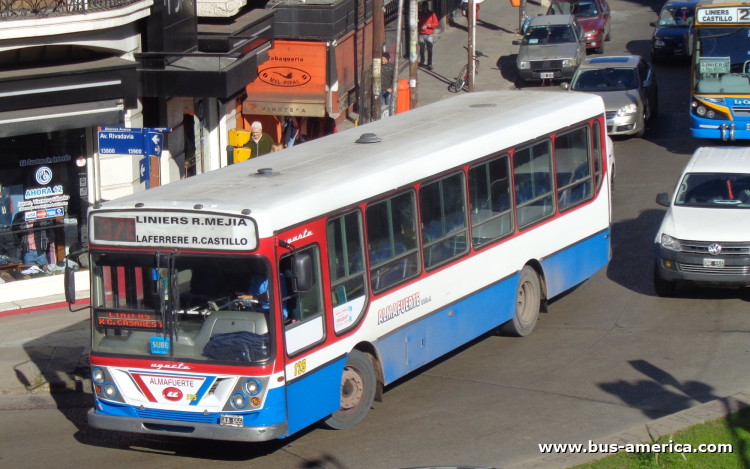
(134, 141)
(153, 143)
(143, 169)
(120, 142)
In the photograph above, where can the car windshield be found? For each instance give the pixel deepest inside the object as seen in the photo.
(181, 307)
(721, 63)
(671, 17)
(556, 34)
(714, 190)
(582, 9)
(605, 79)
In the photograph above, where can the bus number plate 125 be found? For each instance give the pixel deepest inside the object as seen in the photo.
(232, 420)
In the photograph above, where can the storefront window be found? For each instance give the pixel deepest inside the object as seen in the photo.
(43, 201)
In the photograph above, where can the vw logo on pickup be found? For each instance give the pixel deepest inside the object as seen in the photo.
(714, 249)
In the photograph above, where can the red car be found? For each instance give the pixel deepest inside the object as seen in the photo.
(594, 16)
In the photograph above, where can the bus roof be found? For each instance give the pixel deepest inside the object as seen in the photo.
(334, 172)
(720, 160)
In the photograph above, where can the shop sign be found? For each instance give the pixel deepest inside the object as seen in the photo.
(284, 109)
(48, 160)
(39, 214)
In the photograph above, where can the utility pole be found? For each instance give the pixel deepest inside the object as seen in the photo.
(413, 54)
(377, 57)
(397, 57)
(472, 45)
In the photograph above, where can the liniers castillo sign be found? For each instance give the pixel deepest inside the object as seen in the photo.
(173, 230)
(140, 320)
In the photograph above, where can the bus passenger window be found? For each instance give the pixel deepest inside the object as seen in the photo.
(442, 206)
(598, 155)
(573, 166)
(392, 241)
(347, 269)
(532, 171)
(490, 198)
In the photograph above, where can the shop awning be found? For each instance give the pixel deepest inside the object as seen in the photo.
(68, 116)
(227, 59)
(98, 80)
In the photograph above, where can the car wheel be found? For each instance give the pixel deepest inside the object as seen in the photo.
(520, 82)
(642, 130)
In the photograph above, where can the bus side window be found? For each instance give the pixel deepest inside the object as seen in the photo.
(597, 155)
(573, 166)
(532, 171)
(490, 197)
(442, 207)
(392, 241)
(347, 269)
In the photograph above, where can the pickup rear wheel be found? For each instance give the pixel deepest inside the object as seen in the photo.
(358, 386)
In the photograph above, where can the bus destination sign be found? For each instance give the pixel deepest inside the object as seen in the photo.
(722, 15)
(136, 320)
(174, 230)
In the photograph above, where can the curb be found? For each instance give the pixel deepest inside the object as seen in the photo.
(13, 309)
(664, 426)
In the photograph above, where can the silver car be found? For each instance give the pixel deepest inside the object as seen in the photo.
(552, 48)
(627, 84)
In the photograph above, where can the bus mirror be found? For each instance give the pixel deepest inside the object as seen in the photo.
(303, 273)
(662, 199)
(70, 284)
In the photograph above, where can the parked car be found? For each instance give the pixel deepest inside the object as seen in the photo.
(673, 36)
(627, 84)
(552, 48)
(704, 238)
(594, 16)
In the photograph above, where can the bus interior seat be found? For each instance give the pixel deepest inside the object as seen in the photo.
(222, 322)
(390, 273)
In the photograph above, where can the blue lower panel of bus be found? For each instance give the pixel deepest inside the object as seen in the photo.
(273, 412)
(575, 264)
(711, 128)
(314, 396)
(440, 332)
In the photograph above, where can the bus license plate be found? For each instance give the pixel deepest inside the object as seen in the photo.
(548, 74)
(232, 420)
(715, 263)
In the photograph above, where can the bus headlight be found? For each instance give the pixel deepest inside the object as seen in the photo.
(628, 110)
(523, 65)
(710, 114)
(110, 390)
(98, 375)
(239, 401)
(670, 243)
(700, 110)
(252, 386)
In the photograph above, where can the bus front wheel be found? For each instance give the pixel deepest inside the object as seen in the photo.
(358, 386)
(528, 300)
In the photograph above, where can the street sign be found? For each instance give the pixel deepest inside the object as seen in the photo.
(143, 169)
(135, 141)
(119, 142)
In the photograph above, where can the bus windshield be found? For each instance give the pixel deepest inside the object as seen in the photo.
(182, 307)
(721, 63)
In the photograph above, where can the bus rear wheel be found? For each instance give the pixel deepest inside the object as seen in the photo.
(528, 301)
(358, 386)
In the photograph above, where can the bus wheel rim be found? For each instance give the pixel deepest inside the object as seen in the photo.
(352, 388)
(525, 294)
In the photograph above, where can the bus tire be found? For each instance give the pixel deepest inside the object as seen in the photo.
(358, 386)
(528, 301)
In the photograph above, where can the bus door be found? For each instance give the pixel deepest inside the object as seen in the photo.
(313, 381)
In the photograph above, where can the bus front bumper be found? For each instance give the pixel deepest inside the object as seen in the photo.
(720, 130)
(185, 429)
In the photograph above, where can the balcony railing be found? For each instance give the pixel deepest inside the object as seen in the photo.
(26, 9)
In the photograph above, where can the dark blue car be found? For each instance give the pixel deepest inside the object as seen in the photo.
(673, 36)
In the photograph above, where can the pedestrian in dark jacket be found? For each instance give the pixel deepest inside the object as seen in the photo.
(260, 143)
(386, 78)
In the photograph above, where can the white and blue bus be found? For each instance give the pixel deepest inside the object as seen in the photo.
(253, 301)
